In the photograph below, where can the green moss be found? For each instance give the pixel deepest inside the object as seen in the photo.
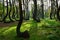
(45, 30)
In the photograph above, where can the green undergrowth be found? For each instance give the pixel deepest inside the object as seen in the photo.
(45, 30)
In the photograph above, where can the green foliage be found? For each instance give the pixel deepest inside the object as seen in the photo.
(1, 8)
(45, 30)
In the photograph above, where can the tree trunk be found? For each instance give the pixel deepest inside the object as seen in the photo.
(7, 11)
(10, 10)
(21, 34)
(52, 14)
(35, 11)
(27, 10)
(58, 15)
(13, 15)
(42, 6)
(3, 10)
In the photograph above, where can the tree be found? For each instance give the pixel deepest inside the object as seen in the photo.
(23, 9)
(35, 11)
(3, 10)
(58, 15)
(7, 11)
(52, 14)
(42, 6)
(21, 34)
(7, 14)
(56, 8)
(27, 10)
(13, 11)
(10, 10)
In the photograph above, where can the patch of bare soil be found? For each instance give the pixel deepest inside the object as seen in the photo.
(8, 24)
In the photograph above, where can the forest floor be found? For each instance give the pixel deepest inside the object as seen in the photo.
(8, 24)
(45, 30)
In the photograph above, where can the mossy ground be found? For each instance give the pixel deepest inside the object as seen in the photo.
(45, 30)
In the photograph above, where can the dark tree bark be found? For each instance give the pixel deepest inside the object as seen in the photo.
(13, 15)
(7, 11)
(56, 8)
(14, 11)
(10, 10)
(58, 15)
(7, 15)
(3, 10)
(57, 3)
(51, 10)
(42, 6)
(35, 11)
(23, 9)
(27, 10)
(21, 34)
(17, 14)
(52, 14)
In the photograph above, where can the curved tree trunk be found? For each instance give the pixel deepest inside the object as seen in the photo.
(17, 12)
(7, 14)
(21, 34)
(10, 10)
(13, 15)
(7, 11)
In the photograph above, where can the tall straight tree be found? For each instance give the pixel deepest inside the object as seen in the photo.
(35, 11)
(42, 6)
(23, 8)
(27, 10)
(58, 15)
(57, 4)
(52, 9)
(19, 33)
(58, 9)
(3, 10)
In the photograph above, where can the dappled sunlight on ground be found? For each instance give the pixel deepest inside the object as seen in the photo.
(45, 30)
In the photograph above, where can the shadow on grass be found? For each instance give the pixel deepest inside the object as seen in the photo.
(35, 33)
